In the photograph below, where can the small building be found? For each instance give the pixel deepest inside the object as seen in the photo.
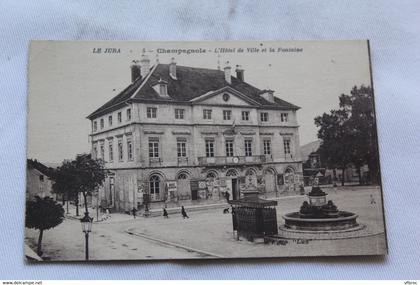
(38, 180)
(185, 135)
(314, 168)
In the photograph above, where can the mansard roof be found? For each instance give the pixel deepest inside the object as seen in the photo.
(190, 82)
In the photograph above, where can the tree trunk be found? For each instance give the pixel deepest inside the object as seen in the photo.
(342, 176)
(38, 251)
(77, 204)
(67, 202)
(85, 198)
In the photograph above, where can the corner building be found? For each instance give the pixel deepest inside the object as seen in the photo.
(180, 135)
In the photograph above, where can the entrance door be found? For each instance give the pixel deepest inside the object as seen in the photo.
(235, 188)
(270, 185)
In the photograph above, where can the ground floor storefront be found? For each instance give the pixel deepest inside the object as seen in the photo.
(125, 189)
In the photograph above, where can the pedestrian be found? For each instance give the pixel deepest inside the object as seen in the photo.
(165, 214)
(108, 215)
(184, 213)
(227, 196)
(134, 212)
(372, 199)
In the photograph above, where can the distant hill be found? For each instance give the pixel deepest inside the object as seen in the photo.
(308, 148)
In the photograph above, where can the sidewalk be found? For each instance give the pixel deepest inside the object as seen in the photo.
(120, 217)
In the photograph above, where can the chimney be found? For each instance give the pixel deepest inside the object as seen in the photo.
(227, 69)
(172, 69)
(239, 73)
(135, 70)
(144, 65)
(268, 95)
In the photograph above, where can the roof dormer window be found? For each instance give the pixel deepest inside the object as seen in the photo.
(161, 87)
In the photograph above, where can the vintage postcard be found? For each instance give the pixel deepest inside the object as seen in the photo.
(201, 150)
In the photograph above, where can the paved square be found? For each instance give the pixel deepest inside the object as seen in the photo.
(208, 234)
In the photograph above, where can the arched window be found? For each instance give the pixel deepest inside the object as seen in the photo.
(154, 185)
(232, 173)
(182, 176)
(289, 175)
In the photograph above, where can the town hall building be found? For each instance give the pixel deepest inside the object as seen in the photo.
(180, 135)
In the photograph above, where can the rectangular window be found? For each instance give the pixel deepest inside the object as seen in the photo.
(151, 112)
(110, 151)
(229, 148)
(128, 114)
(95, 126)
(207, 114)
(267, 147)
(264, 117)
(248, 147)
(120, 150)
(153, 148)
(102, 123)
(227, 115)
(110, 121)
(119, 117)
(41, 177)
(181, 147)
(284, 117)
(286, 143)
(102, 148)
(163, 89)
(179, 114)
(245, 115)
(129, 149)
(210, 148)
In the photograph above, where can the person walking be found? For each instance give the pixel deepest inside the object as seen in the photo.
(227, 196)
(134, 212)
(165, 214)
(372, 199)
(184, 213)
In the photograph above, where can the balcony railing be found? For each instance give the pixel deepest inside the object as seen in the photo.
(223, 160)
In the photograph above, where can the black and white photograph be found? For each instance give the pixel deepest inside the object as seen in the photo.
(201, 150)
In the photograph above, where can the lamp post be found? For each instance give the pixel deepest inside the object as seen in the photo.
(86, 222)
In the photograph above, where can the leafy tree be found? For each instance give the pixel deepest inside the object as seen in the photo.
(349, 134)
(65, 183)
(43, 214)
(90, 174)
(82, 175)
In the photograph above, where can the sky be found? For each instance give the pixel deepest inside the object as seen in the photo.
(68, 81)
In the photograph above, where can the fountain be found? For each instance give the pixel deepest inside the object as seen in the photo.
(319, 215)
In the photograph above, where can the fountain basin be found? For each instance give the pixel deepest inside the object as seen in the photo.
(343, 221)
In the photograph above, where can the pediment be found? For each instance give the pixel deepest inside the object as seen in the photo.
(225, 96)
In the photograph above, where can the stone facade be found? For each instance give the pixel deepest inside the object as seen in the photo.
(194, 151)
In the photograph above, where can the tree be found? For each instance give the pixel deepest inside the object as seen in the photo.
(90, 174)
(65, 183)
(43, 214)
(82, 175)
(335, 149)
(349, 134)
(363, 125)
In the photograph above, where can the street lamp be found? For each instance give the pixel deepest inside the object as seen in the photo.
(86, 222)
